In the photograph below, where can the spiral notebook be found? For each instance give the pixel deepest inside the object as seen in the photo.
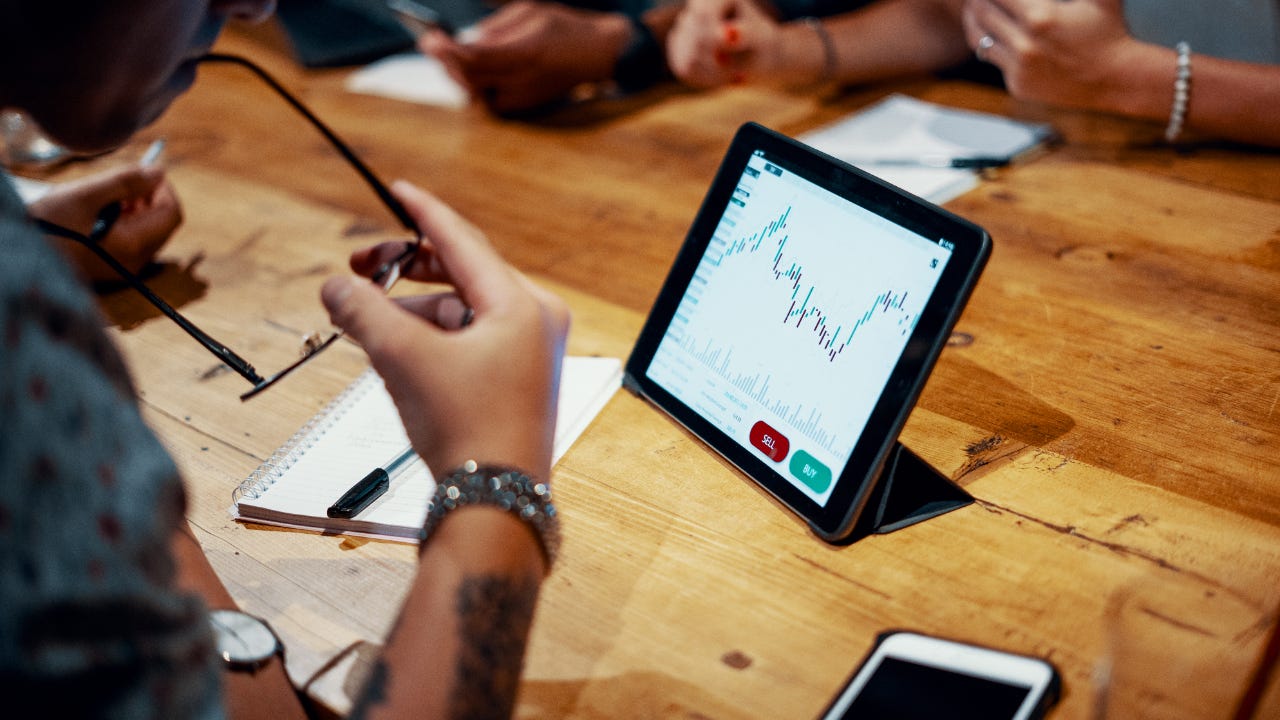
(361, 430)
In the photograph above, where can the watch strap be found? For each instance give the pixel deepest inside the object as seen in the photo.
(643, 62)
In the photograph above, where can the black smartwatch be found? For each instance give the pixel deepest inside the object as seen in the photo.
(642, 63)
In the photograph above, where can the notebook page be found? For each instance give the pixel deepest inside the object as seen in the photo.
(586, 384)
(363, 434)
(364, 431)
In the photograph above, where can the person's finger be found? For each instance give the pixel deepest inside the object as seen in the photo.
(732, 35)
(989, 31)
(444, 309)
(152, 220)
(1005, 20)
(1018, 11)
(117, 185)
(495, 56)
(481, 276)
(437, 43)
(511, 16)
(368, 316)
(423, 268)
(1113, 7)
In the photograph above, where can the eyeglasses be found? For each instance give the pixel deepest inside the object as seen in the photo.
(312, 345)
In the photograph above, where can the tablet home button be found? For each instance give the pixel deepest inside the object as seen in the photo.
(769, 441)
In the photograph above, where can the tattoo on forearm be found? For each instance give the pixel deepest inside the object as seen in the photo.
(375, 690)
(494, 615)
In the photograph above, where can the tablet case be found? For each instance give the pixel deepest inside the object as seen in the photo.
(909, 490)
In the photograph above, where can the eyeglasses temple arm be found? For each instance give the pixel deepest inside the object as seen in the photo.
(378, 187)
(101, 226)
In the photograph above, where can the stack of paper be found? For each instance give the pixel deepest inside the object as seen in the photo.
(911, 143)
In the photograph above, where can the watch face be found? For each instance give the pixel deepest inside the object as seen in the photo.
(243, 640)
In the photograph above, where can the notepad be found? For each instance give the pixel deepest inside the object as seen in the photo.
(361, 430)
(878, 138)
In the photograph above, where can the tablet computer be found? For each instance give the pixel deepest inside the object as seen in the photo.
(800, 321)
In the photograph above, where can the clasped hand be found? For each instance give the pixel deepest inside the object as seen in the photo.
(530, 53)
(1067, 53)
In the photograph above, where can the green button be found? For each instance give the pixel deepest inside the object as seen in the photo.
(810, 472)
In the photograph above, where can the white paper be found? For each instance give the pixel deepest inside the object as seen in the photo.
(412, 77)
(901, 128)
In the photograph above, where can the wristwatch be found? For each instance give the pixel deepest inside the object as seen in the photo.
(245, 643)
(642, 62)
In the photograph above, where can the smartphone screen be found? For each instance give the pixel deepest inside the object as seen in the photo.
(914, 677)
(906, 691)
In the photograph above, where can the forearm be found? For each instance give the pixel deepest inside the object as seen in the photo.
(1227, 99)
(886, 39)
(267, 693)
(458, 647)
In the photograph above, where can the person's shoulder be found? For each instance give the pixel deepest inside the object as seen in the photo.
(28, 258)
(42, 297)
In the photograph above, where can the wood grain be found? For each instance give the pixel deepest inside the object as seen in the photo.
(1111, 398)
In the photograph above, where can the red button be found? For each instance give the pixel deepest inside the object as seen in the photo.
(769, 441)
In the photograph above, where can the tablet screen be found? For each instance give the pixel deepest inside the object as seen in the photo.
(797, 314)
(801, 319)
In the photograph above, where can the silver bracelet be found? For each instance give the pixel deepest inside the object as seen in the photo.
(505, 488)
(828, 47)
(1181, 93)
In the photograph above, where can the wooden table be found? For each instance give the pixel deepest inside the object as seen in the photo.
(1111, 397)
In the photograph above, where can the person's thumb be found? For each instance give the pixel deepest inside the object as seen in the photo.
(366, 314)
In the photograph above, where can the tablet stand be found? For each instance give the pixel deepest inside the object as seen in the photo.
(908, 491)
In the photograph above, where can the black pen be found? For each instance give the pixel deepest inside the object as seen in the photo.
(976, 162)
(371, 487)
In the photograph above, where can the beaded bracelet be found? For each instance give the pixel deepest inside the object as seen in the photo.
(505, 488)
(1181, 93)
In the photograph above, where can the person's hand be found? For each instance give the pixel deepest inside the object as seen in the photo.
(531, 53)
(1067, 53)
(484, 392)
(150, 212)
(717, 42)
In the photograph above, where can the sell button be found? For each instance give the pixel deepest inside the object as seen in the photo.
(810, 472)
(770, 441)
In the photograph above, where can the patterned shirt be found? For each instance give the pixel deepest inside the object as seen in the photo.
(90, 621)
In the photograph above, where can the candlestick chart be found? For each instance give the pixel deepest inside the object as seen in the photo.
(796, 314)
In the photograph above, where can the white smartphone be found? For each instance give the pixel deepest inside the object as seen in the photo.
(909, 676)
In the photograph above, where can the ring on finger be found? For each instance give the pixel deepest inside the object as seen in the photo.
(985, 43)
